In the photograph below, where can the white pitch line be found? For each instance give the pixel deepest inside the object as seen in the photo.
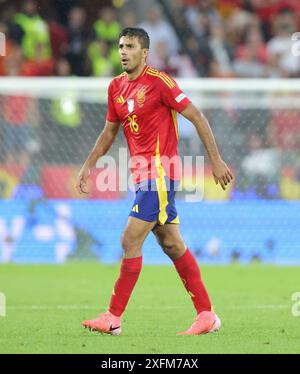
(146, 307)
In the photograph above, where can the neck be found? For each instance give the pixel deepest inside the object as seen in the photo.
(138, 71)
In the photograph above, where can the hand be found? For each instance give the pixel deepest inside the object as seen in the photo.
(81, 183)
(222, 173)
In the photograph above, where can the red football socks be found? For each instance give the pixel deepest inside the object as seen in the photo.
(189, 273)
(129, 273)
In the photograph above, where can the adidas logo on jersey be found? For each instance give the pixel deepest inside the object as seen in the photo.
(120, 100)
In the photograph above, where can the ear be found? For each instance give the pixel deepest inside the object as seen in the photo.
(145, 53)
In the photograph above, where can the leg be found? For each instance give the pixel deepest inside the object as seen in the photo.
(134, 235)
(169, 238)
(132, 240)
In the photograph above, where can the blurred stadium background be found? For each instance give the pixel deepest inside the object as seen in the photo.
(232, 57)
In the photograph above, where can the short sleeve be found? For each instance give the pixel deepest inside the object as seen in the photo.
(112, 115)
(172, 95)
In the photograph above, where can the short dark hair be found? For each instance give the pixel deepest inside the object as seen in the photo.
(141, 34)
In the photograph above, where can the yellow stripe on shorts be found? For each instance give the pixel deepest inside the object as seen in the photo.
(161, 187)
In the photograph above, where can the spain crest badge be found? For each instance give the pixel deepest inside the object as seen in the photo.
(141, 96)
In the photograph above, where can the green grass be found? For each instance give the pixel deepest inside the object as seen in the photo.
(46, 304)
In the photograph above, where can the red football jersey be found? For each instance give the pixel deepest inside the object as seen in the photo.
(147, 109)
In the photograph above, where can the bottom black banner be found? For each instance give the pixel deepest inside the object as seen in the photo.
(131, 363)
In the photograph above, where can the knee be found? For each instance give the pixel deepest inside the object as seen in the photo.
(173, 248)
(131, 246)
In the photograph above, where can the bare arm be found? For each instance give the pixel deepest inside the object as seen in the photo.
(102, 145)
(220, 170)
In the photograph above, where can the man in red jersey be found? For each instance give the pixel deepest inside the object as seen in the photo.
(145, 102)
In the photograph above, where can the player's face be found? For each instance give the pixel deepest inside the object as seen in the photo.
(132, 55)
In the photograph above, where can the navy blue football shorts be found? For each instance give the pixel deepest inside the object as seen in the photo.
(155, 201)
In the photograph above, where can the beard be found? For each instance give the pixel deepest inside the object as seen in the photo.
(128, 69)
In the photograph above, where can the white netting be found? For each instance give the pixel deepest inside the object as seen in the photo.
(48, 126)
(47, 122)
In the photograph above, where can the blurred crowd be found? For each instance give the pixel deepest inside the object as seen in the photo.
(208, 38)
(239, 38)
(215, 38)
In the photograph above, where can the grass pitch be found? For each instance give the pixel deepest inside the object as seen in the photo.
(46, 304)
